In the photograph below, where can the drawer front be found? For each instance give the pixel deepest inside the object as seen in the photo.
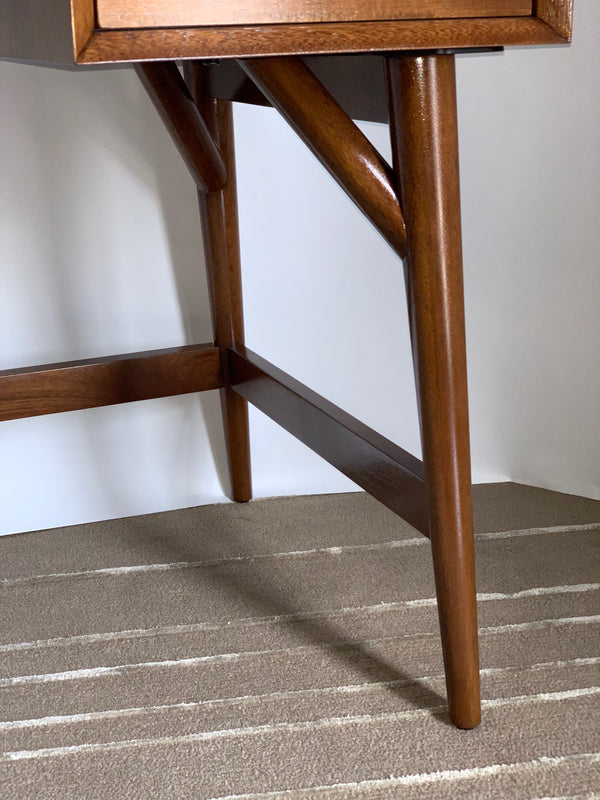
(116, 14)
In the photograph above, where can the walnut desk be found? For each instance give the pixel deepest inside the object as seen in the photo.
(293, 54)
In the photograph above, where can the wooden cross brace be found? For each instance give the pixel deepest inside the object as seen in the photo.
(433, 495)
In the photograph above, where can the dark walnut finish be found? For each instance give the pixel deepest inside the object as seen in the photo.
(89, 383)
(425, 147)
(106, 47)
(434, 496)
(380, 467)
(220, 235)
(169, 93)
(167, 13)
(66, 32)
(339, 145)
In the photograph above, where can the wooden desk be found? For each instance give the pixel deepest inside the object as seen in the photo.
(250, 51)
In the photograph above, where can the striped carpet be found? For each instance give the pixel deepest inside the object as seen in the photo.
(288, 649)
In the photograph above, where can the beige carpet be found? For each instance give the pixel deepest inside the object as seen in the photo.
(288, 649)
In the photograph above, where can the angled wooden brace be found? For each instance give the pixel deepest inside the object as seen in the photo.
(175, 105)
(433, 496)
(333, 137)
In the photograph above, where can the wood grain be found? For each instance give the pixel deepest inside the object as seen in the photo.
(384, 470)
(176, 108)
(337, 142)
(55, 31)
(246, 42)
(558, 14)
(220, 235)
(83, 20)
(176, 13)
(425, 146)
(68, 386)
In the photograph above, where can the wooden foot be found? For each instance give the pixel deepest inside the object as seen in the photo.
(219, 215)
(422, 93)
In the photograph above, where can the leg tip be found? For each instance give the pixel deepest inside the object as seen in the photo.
(465, 720)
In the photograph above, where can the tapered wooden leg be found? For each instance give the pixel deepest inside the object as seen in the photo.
(422, 93)
(219, 215)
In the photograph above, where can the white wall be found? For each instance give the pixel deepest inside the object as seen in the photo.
(100, 253)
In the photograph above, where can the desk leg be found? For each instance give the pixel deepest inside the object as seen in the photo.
(422, 92)
(219, 215)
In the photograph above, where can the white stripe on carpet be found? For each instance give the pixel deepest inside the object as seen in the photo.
(590, 526)
(95, 672)
(334, 551)
(310, 725)
(539, 624)
(588, 796)
(354, 688)
(216, 562)
(428, 777)
(167, 630)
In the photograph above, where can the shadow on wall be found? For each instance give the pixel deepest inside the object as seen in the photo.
(103, 254)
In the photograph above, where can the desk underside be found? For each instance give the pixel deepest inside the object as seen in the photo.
(112, 31)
